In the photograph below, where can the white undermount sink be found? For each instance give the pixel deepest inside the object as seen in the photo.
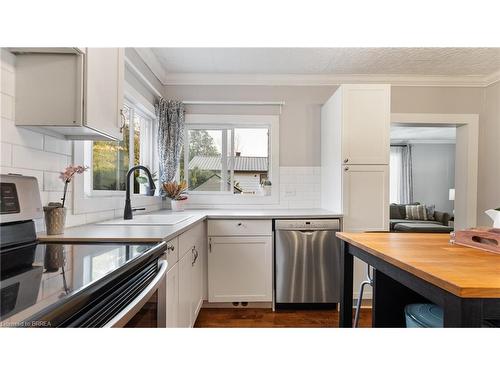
(149, 220)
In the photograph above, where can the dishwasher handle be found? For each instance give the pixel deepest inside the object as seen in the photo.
(308, 225)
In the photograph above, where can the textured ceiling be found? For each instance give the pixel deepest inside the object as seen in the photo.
(423, 133)
(418, 61)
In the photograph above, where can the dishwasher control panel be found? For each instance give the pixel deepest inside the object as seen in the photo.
(306, 224)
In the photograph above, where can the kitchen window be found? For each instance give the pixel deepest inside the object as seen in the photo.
(111, 160)
(227, 158)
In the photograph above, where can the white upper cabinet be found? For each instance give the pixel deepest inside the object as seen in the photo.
(71, 95)
(104, 89)
(366, 120)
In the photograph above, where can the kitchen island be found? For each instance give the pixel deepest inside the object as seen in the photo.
(414, 268)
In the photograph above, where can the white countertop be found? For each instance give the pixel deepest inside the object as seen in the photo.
(157, 233)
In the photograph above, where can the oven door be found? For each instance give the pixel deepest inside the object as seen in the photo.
(148, 309)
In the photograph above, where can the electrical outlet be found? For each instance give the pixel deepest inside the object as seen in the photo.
(290, 193)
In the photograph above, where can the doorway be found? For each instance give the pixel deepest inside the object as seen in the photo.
(466, 158)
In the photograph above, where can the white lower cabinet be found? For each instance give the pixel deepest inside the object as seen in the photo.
(172, 307)
(188, 278)
(185, 295)
(366, 197)
(240, 269)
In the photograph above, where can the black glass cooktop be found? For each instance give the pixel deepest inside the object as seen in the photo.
(37, 276)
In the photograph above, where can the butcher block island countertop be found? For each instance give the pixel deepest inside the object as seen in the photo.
(463, 271)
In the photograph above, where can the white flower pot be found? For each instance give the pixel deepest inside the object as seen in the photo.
(178, 205)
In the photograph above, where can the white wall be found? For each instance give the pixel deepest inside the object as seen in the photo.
(489, 154)
(299, 121)
(433, 174)
(33, 154)
(464, 100)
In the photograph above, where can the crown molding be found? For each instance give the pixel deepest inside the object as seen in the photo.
(320, 79)
(492, 78)
(165, 78)
(153, 63)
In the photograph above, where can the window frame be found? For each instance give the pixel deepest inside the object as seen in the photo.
(105, 200)
(146, 137)
(220, 122)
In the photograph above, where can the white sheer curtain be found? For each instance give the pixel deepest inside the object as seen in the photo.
(401, 186)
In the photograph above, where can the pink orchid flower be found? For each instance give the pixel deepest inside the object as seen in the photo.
(67, 175)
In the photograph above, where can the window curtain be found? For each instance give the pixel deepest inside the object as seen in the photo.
(401, 183)
(170, 116)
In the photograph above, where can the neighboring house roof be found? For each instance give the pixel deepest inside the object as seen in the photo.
(213, 184)
(241, 163)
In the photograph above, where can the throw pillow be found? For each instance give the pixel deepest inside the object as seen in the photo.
(416, 212)
(395, 212)
(430, 211)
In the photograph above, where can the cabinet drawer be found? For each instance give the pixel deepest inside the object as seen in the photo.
(172, 253)
(190, 238)
(240, 228)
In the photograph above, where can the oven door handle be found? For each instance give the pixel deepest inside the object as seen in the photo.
(133, 307)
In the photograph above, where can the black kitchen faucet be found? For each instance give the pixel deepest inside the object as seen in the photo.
(127, 213)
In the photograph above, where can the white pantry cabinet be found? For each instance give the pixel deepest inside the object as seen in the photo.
(240, 269)
(75, 95)
(366, 122)
(355, 149)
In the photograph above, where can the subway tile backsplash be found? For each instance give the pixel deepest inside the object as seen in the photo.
(32, 154)
(300, 187)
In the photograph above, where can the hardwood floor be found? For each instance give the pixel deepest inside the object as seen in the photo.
(266, 318)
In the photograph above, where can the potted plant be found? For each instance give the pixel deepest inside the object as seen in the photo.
(267, 187)
(177, 193)
(55, 212)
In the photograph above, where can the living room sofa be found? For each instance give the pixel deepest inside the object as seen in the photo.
(399, 223)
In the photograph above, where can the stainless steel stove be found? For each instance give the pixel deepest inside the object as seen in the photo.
(72, 284)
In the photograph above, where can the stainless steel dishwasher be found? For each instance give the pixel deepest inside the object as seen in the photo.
(307, 263)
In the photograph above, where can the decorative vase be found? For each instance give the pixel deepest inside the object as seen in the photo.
(178, 205)
(55, 219)
(54, 257)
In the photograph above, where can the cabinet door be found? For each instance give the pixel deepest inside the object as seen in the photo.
(366, 121)
(197, 283)
(366, 197)
(104, 89)
(240, 269)
(200, 271)
(185, 294)
(172, 296)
